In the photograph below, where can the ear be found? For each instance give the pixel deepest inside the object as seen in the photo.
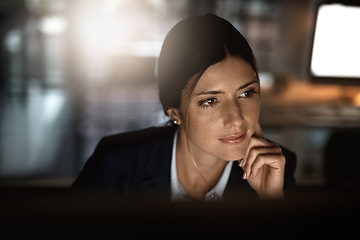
(174, 114)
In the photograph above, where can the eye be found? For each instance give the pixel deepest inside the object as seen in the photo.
(247, 94)
(208, 102)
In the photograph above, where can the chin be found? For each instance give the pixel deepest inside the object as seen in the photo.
(234, 156)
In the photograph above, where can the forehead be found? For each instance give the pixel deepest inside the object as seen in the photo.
(227, 74)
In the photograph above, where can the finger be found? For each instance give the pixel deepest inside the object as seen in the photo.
(275, 161)
(255, 142)
(254, 153)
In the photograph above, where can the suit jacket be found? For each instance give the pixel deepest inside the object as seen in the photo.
(137, 164)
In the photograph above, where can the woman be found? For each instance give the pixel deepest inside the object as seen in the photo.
(214, 148)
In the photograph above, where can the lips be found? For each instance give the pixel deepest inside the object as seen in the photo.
(234, 138)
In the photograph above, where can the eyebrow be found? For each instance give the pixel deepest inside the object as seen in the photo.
(220, 92)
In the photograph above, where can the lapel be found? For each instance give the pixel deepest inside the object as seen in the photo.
(155, 184)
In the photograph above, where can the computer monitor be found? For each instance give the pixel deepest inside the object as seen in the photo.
(335, 53)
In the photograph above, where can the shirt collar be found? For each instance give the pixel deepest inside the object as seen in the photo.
(178, 193)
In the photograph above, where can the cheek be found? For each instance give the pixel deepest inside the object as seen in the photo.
(202, 125)
(251, 113)
(206, 125)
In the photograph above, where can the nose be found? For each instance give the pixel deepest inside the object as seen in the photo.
(232, 114)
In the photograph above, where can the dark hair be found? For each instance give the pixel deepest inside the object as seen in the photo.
(190, 48)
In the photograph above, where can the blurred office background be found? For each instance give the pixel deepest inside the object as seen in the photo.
(72, 71)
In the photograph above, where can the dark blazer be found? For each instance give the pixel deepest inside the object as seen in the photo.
(137, 164)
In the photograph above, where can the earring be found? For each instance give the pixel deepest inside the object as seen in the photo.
(175, 121)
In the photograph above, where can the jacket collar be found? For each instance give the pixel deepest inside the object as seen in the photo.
(155, 185)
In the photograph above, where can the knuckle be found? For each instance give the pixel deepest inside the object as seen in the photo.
(260, 159)
(251, 153)
(253, 141)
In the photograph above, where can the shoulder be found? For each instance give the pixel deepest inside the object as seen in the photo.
(121, 161)
(136, 151)
(133, 149)
(143, 136)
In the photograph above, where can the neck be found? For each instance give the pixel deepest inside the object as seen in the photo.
(197, 171)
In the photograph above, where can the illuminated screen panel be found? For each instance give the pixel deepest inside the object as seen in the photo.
(336, 46)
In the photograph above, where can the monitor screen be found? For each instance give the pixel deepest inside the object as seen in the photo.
(336, 44)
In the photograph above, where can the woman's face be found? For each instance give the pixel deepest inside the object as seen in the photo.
(223, 110)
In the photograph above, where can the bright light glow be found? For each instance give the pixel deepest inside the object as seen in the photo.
(266, 80)
(137, 48)
(336, 50)
(53, 103)
(357, 100)
(121, 27)
(13, 40)
(52, 25)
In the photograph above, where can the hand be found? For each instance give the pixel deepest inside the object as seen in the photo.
(264, 168)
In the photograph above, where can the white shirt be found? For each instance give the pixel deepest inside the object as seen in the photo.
(178, 193)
